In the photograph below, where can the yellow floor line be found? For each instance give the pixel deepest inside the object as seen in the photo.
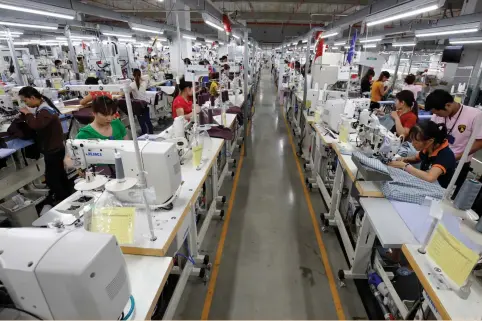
(219, 252)
(319, 239)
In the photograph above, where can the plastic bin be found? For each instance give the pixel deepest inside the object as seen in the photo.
(20, 211)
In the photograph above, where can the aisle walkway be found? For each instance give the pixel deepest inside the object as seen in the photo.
(271, 267)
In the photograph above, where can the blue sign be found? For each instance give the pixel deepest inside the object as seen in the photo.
(351, 51)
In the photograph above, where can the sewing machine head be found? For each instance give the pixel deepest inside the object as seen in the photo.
(61, 274)
(160, 160)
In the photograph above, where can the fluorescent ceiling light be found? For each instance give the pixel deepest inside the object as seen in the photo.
(4, 37)
(372, 45)
(25, 25)
(304, 41)
(331, 34)
(4, 33)
(235, 36)
(404, 44)
(221, 43)
(76, 38)
(212, 24)
(159, 32)
(39, 12)
(407, 14)
(463, 41)
(189, 37)
(443, 33)
(119, 35)
(449, 30)
(370, 40)
(208, 40)
(335, 48)
(340, 43)
(404, 59)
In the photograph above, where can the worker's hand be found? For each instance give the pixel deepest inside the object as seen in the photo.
(394, 115)
(25, 110)
(397, 164)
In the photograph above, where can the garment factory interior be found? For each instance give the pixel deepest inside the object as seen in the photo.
(240, 159)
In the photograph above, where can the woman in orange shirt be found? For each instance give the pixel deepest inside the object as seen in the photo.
(378, 90)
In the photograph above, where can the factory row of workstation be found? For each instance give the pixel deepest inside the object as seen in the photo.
(114, 150)
(378, 123)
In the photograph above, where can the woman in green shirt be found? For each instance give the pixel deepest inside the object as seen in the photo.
(104, 126)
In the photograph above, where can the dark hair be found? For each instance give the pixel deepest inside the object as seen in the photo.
(438, 99)
(407, 97)
(370, 72)
(30, 92)
(223, 58)
(187, 61)
(183, 84)
(226, 67)
(104, 105)
(383, 74)
(410, 79)
(57, 62)
(11, 69)
(137, 79)
(92, 81)
(429, 130)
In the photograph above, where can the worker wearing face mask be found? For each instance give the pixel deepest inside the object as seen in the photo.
(42, 116)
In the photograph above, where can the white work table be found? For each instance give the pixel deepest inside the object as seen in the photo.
(168, 223)
(446, 302)
(386, 222)
(147, 276)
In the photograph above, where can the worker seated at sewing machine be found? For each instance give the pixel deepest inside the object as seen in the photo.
(105, 124)
(406, 113)
(437, 159)
(182, 104)
(92, 81)
(213, 89)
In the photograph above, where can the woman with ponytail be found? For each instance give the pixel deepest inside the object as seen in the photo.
(42, 116)
(436, 158)
(406, 113)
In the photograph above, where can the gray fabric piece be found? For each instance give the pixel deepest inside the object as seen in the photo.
(407, 150)
(407, 188)
(373, 163)
(386, 121)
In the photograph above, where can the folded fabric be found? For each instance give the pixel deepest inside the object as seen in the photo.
(372, 163)
(407, 188)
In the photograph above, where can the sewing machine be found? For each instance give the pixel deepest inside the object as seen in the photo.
(7, 109)
(375, 138)
(160, 161)
(59, 274)
(334, 109)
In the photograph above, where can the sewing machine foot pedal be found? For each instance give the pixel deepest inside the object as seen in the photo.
(341, 278)
(221, 214)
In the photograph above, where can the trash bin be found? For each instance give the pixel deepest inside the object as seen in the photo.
(20, 211)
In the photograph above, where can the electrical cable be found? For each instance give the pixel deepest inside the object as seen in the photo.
(131, 310)
(12, 307)
(189, 258)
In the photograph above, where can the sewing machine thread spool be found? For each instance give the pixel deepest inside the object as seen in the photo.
(210, 116)
(119, 167)
(467, 194)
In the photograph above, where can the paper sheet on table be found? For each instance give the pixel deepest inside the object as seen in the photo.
(118, 221)
(452, 256)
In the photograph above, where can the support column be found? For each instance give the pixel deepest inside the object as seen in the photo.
(179, 48)
(72, 55)
(11, 47)
(247, 109)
